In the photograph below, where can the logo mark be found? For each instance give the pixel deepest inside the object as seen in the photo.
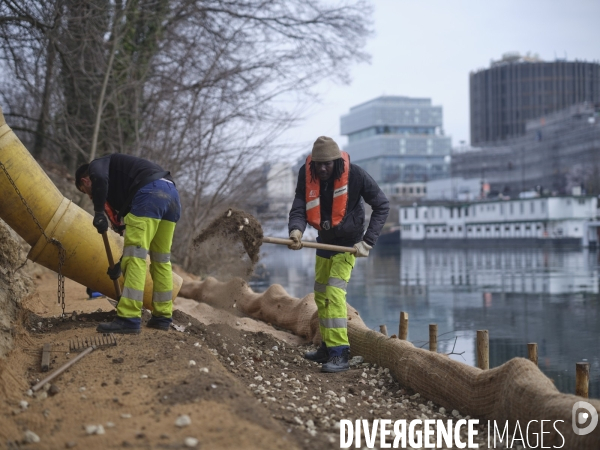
(312, 193)
(579, 418)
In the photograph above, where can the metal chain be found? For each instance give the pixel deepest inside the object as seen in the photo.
(62, 254)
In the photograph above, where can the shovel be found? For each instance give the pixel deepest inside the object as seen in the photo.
(310, 244)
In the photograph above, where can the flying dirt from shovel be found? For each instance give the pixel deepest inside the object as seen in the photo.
(235, 225)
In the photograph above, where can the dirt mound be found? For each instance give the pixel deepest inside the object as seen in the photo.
(135, 391)
(229, 229)
(240, 389)
(14, 286)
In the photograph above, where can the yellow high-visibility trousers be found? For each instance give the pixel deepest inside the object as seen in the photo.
(143, 236)
(331, 279)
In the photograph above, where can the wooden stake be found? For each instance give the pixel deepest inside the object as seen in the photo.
(582, 379)
(403, 329)
(532, 352)
(483, 349)
(383, 330)
(433, 337)
(46, 357)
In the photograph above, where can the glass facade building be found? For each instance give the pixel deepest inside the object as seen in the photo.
(398, 140)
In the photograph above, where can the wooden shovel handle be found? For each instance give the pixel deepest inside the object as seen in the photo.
(309, 244)
(111, 263)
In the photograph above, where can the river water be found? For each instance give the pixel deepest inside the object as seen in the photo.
(520, 295)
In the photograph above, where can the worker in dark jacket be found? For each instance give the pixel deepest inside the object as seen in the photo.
(329, 197)
(144, 197)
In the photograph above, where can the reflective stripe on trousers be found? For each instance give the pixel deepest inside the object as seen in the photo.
(331, 279)
(144, 235)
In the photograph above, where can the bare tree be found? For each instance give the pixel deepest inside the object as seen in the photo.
(197, 86)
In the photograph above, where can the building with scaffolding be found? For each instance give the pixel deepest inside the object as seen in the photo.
(559, 154)
(519, 88)
(399, 141)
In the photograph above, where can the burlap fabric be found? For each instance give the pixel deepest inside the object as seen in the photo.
(514, 391)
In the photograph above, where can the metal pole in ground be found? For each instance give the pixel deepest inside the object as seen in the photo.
(532, 352)
(483, 349)
(433, 331)
(582, 379)
(403, 329)
(383, 330)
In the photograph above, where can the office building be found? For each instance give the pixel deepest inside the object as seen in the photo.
(399, 141)
(558, 154)
(518, 88)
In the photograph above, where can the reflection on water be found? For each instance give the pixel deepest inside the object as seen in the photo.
(519, 295)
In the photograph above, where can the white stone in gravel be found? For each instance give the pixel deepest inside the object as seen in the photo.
(312, 432)
(191, 363)
(275, 348)
(204, 369)
(342, 400)
(364, 375)
(82, 388)
(29, 393)
(94, 429)
(258, 378)
(417, 395)
(298, 420)
(455, 413)
(197, 344)
(125, 416)
(190, 442)
(144, 376)
(110, 425)
(23, 405)
(43, 395)
(31, 437)
(183, 421)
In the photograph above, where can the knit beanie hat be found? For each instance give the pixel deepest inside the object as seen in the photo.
(325, 149)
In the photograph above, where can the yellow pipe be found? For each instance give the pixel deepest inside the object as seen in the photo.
(42, 196)
(61, 219)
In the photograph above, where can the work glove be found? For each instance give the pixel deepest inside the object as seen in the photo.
(100, 222)
(362, 249)
(115, 273)
(296, 236)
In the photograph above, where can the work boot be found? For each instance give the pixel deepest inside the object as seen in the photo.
(338, 360)
(120, 326)
(160, 323)
(321, 355)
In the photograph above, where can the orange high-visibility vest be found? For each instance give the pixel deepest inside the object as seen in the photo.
(340, 196)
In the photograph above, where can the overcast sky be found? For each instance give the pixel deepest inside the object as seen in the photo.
(426, 48)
